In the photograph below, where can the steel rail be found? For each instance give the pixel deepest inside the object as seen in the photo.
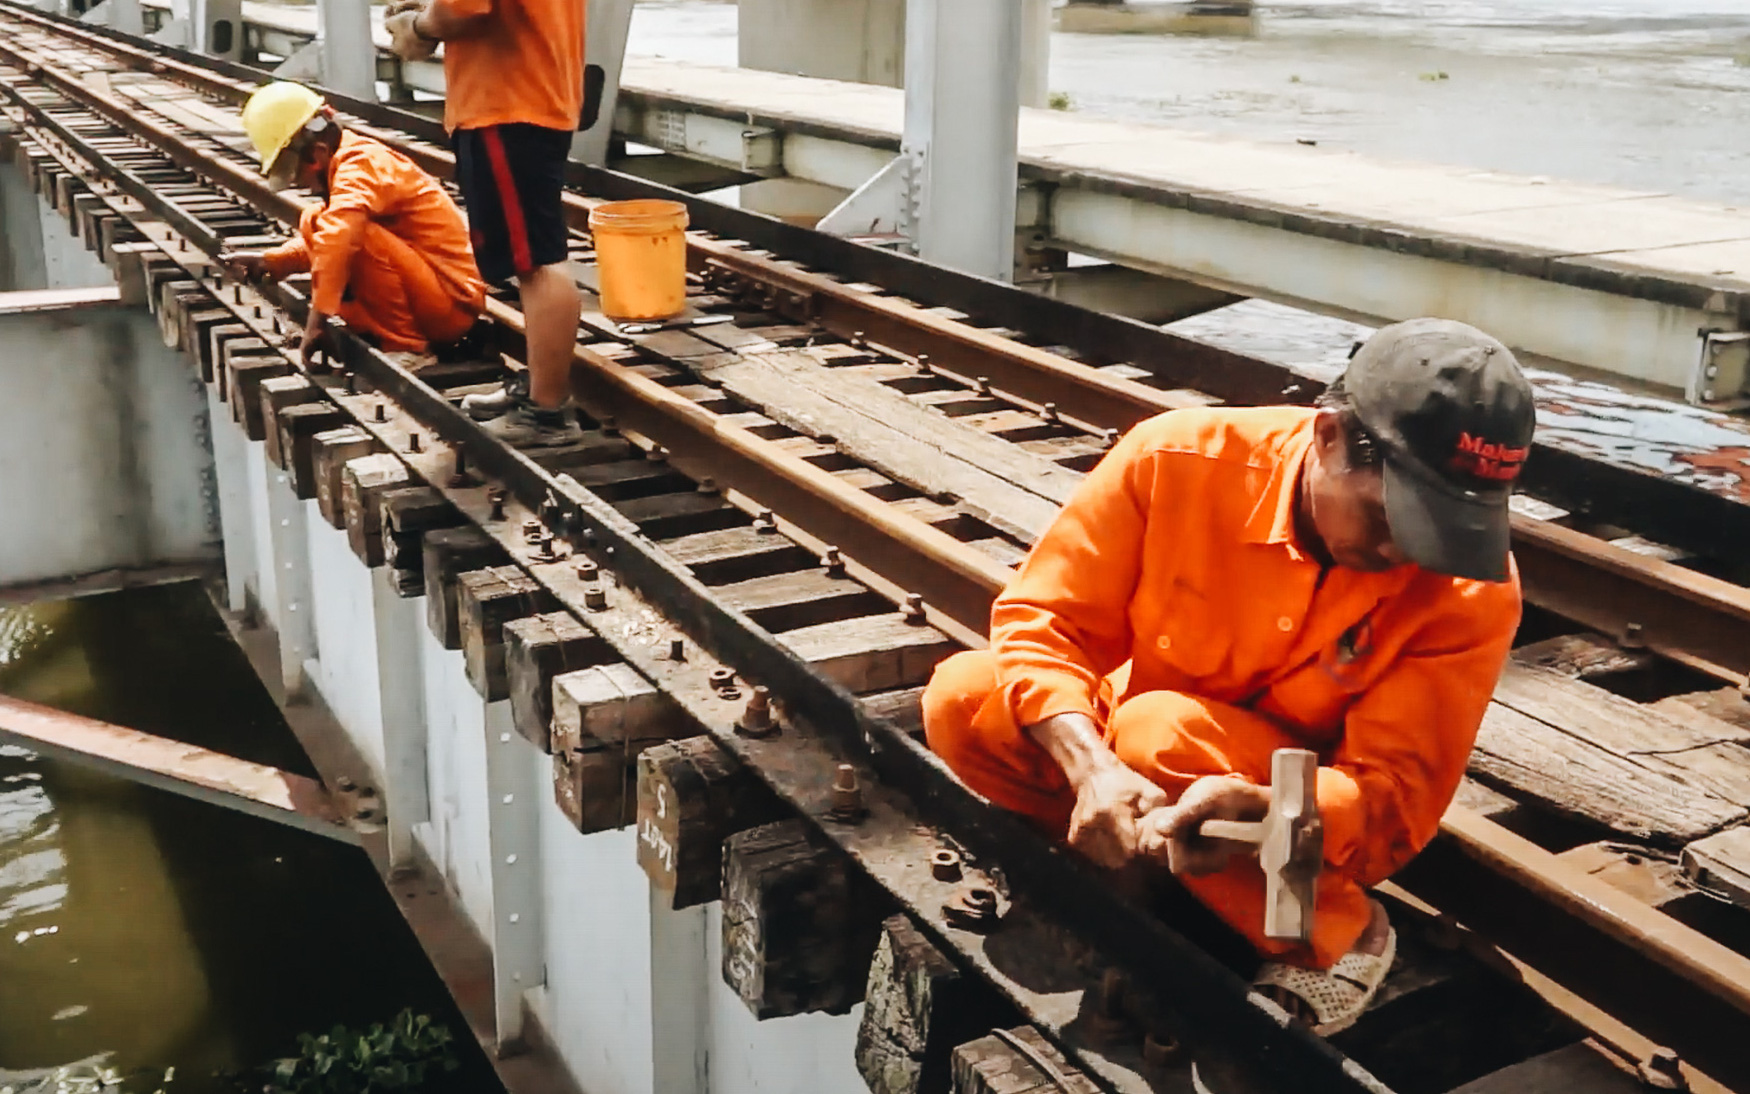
(1675, 512)
(1203, 1003)
(1680, 949)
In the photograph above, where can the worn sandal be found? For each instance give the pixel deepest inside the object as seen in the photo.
(1337, 995)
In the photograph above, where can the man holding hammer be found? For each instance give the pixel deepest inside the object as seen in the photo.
(1231, 582)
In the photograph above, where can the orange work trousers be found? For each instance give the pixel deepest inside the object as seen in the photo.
(1172, 739)
(394, 295)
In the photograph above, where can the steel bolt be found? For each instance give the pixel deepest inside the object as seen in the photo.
(766, 523)
(924, 362)
(657, 454)
(677, 649)
(1110, 437)
(982, 385)
(847, 796)
(945, 865)
(381, 413)
(531, 530)
(352, 383)
(495, 498)
(459, 476)
(1663, 1070)
(595, 598)
(833, 561)
(914, 608)
(414, 443)
(1048, 412)
(588, 570)
(722, 678)
(1631, 637)
(756, 717)
(857, 339)
(544, 548)
(709, 485)
(973, 908)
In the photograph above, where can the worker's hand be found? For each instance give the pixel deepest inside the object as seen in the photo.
(1111, 800)
(244, 265)
(315, 340)
(1170, 835)
(406, 42)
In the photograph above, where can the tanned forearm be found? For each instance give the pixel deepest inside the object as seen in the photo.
(439, 24)
(1074, 741)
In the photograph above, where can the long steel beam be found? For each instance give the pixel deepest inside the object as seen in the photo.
(1199, 1000)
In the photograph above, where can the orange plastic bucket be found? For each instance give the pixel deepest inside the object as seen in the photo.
(641, 254)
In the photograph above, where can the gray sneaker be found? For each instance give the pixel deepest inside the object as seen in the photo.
(494, 403)
(526, 425)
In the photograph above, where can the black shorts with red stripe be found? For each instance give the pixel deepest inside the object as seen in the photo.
(513, 182)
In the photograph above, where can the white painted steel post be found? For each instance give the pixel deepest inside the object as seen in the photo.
(230, 465)
(401, 698)
(291, 562)
(217, 28)
(609, 25)
(127, 16)
(349, 52)
(513, 833)
(962, 115)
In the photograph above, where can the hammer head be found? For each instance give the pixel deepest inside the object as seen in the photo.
(1292, 850)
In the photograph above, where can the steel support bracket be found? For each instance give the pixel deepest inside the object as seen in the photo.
(1721, 377)
(876, 208)
(305, 65)
(762, 152)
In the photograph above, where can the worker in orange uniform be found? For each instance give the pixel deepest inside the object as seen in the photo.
(513, 74)
(1228, 582)
(386, 249)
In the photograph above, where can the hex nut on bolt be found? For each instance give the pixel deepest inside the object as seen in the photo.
(1663, 1070)
(756, 718)
(588, 571)
(945, 865)
(847, 795)
(973, 908)
(595, 598)
(914, 608)
(722, 678)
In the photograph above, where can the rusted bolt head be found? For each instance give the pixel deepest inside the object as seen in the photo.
(1663, 1070)
(677, 649)
(1631, 636)
(1048, 412)
(657, 454)
(766, 523)
(945, 865)
(588, 570)
(924, 361)
(595, 598)
(913, 610)
(756, 717)
(847, 795)
(857, 339)
(381, 413)
(832, 560)
(544, 547)
(722, 678)
(980, 897)
(531, 530)
(982, 383)
(414, 443)
(708, 485)
(495, 499)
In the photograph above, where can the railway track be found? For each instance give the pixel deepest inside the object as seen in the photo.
(817, 486)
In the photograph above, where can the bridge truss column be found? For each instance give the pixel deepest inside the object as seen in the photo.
(349, 53)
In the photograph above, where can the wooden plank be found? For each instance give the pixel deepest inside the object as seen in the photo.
(593, 786)
(1582, 656)
(1721, 864)
(691, 795)
(405, 515)
(918, 1008)
(669, 516)
(486, 600)
(1560, 771)
(736, 554)
(331, 450)
(1728, 705)
(362, 484)
(1008, 488)
(297, 426)
(537, 649)
(277, 395)
(449, 553)
(901, 706)
(991, 1065)
(874, 653)
(612, 703)
(799, 925)
(785, 602)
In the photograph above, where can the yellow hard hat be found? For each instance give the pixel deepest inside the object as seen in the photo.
(274, 115)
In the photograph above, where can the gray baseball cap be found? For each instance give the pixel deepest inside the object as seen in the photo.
(1454, 416)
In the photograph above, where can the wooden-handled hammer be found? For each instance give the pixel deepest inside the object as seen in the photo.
(1290, 842)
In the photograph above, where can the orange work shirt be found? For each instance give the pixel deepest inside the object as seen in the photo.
(525, 65)
(1175, 567)
(369, 182)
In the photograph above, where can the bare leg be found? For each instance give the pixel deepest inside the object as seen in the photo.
(551, 306)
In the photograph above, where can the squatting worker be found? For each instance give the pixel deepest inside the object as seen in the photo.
(386, 249)
(1232, 581)
(513, 71)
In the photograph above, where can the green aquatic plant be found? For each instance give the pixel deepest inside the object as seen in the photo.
(1058, 100)
(410, 1053)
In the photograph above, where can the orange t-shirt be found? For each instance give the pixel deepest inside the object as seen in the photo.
(1175, 567)
(369, 182)
(525, 65)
